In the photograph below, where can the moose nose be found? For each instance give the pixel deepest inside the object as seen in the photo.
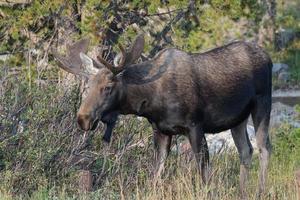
(84, 122)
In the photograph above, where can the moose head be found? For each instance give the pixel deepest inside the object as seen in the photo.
(104, 90)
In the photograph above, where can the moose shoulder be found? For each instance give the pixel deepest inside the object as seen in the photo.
(183, 93)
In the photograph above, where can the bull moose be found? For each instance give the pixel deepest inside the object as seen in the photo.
(181, 93)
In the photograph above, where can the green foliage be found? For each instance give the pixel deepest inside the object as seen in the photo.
(33, 18)
(253, 9)
(288, 14)
(287, 146)
(219, 21)
(40, 18)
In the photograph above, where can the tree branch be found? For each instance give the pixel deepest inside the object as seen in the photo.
(162, 35)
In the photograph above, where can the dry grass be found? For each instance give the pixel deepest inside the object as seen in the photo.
(127, 175)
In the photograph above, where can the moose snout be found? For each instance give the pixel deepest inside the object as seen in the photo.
(84, 121)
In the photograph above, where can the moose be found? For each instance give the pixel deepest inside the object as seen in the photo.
(181, 93)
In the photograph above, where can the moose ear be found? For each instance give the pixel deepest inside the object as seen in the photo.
(88, 64)
(136, 49)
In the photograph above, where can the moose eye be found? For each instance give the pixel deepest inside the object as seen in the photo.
(107, 88)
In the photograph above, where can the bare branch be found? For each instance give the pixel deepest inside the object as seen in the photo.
(156, 44)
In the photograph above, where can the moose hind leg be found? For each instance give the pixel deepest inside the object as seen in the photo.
(162, 144)
(245, 150)
(261, 120)
(200, 149)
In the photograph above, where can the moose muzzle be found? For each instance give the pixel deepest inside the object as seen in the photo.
(86, 122)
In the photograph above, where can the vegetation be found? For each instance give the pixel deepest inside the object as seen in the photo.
(41, 148)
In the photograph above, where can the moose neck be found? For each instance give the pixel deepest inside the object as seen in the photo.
(136, 99)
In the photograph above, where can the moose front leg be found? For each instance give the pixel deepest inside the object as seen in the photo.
(162, 144)
(200, 149)
(110, 122)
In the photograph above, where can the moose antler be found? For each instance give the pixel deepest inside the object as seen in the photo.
(123, 56)
(127, 58)
(72, 62)
(115, 68)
